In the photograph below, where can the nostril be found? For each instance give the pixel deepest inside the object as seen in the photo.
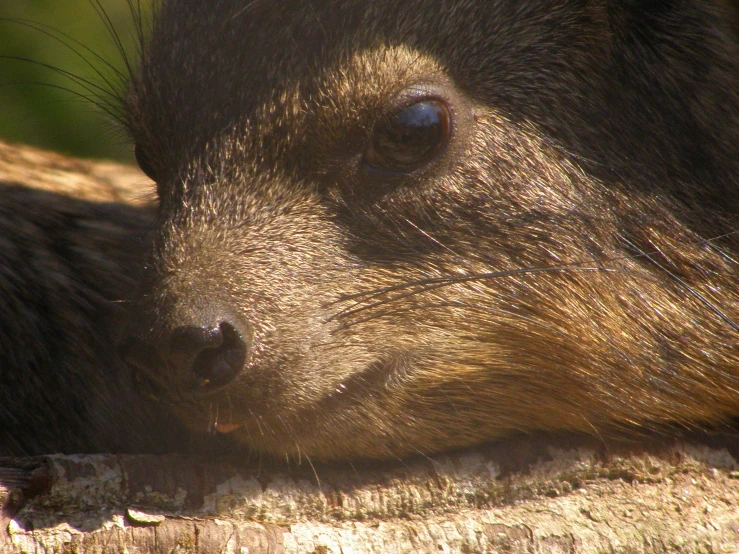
(187, 343)
(190, 360)
(213, 356)
(219, 364)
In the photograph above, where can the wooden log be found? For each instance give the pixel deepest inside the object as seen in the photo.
(535, 494)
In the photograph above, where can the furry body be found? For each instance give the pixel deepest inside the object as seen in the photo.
(67, 264)
(565, 262)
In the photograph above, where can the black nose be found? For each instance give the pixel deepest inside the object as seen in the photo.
(191, 359)
(214, 356)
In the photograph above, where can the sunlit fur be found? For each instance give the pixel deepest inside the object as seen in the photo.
(568, 262)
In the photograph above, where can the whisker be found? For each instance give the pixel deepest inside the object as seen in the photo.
(460, 278)
(690, 290)
(98, 100)
(85, 84)
(449, 399)
(370, 293)
(259, 425)
(315, 473)
(110, 27)
(426, 285)
(453, 304)
(488, 309)
(723, 254)
(67, 41)
(137, 15)
(422, 454)
(431, 238)
(87, 99)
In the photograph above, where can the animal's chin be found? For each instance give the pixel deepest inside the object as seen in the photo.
(324, 428)
(285, 422)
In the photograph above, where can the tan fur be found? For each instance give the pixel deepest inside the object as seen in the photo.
(568, 263)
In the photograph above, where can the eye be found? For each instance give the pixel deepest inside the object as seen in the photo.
(143, 160)
(410, 137)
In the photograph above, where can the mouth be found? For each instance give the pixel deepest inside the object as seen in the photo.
(279, 426)
(226, 428)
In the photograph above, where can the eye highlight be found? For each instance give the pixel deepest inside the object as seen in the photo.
(410, 137)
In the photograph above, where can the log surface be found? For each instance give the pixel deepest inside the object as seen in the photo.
(524, 495)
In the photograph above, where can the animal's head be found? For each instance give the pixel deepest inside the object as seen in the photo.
(388, 227)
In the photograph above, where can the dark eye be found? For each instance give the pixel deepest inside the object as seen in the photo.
(143, 160)
(410, 137)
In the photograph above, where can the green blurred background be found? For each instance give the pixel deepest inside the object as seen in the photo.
(32, 109)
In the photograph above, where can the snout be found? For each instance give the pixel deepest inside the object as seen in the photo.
(188, 362)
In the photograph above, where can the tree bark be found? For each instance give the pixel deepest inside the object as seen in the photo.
(534, 494)
(528, 494)
(99, 181)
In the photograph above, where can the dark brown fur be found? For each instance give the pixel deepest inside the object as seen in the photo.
(72, 235)
(567, 263)
(61, 262)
